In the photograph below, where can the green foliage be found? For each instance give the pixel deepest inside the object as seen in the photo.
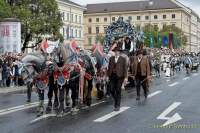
(100, 38)
(5, 10)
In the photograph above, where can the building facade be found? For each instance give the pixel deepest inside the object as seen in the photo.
(72, 16)
(140, 13)
(198, 33)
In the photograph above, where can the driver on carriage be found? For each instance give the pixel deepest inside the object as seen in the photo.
(126, 45)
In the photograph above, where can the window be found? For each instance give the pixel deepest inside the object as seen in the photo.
(105, 29)
(76, 18)
(80, 19)
(138, 17)
(164, 25)
(67, 16)
(155, 27)
(97, 30)
(146, 17)
(97, 19)
(90, 20)
(76, 33)
(164, 16)
(89, 30)
(67, 33)
(80, 34)
(155, 16)
(63, 31)
(72, 33)
(90, 40)
(63, 15)
(113, 18)
(72, 17)
(105, 19)
(173, 24)
(173, 16)
(130, 18)
(138, 27)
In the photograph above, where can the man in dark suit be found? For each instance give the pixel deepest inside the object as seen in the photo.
(140, 72)
(117, 72)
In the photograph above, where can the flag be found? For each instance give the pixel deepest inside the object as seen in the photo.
(74, 45)
(44, 45)
(52, 46)
(170, 40)
(165, 41)
(159, 40)
(151, 40)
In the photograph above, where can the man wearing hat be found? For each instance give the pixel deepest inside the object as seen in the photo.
(117, 72)
(140, 72)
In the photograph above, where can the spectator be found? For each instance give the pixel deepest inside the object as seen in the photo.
(4, 73)
(1, 82)
(16, 73)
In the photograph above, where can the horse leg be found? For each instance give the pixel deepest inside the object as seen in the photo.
(89, 97)
(98, 90)
(50, 95)
(74, 96)
(67, 100)
(41, 102)
(61, 99)
(55, 90)
(29, 90)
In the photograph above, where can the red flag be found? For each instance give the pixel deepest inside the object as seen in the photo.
(74, 45)
(44, 45)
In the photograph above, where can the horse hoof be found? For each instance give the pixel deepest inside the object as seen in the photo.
(60, 114)
(40, 114)
(55, 106)
(48, 110)
(67, 109)
(74, 111)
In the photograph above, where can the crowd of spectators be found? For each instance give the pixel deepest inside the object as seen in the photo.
(10, 74)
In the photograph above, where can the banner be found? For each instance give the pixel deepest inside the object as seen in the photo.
(159, 40)
(165, 41)
(171, 40)
(51, 46)
(151, 38)
(10, 37)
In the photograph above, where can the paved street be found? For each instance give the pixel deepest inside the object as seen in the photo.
(172, 100)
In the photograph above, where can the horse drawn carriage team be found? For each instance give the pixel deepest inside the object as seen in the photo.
(70, 69)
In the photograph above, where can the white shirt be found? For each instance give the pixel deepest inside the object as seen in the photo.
(116, 58)
(139, 59)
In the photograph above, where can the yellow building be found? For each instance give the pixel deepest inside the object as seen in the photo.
(72, 16)
(140, 13)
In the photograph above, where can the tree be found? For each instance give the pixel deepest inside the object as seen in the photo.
(38, 18)
(100, 38)
(150, 29)
(5, 10)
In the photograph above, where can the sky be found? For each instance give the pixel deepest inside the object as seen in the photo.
(193, 4)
